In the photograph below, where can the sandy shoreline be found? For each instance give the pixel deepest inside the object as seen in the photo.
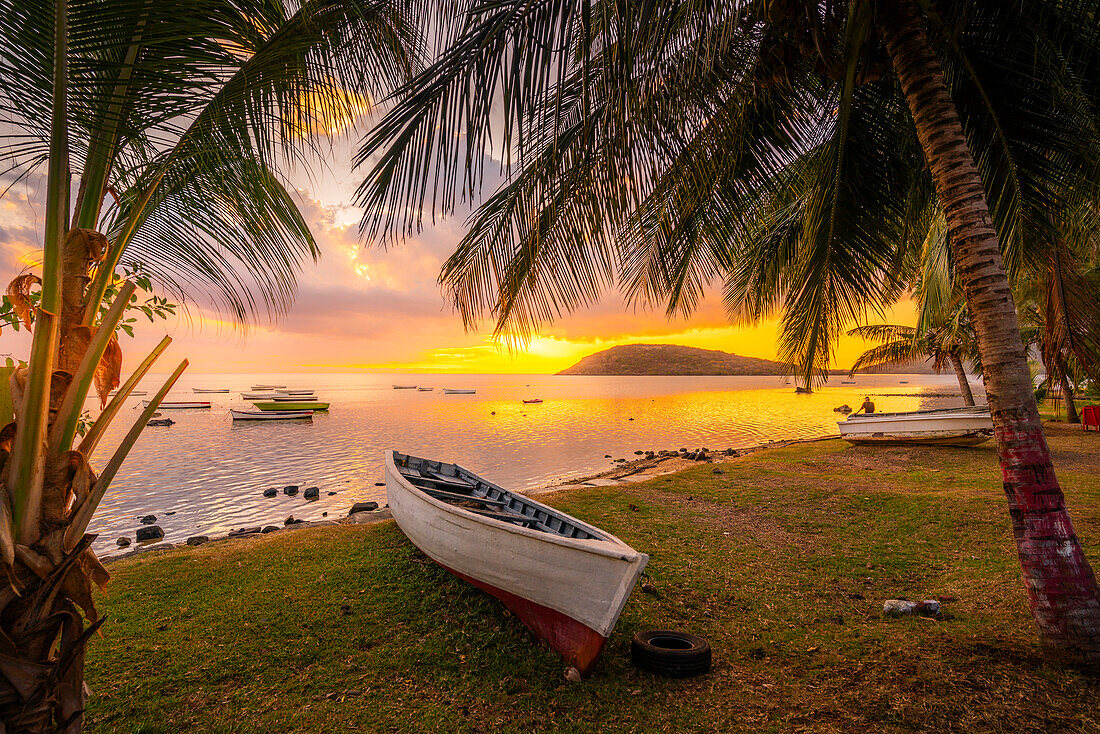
(626, 472)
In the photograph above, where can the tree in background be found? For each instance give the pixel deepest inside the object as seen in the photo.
(797, 149)
(176, 115)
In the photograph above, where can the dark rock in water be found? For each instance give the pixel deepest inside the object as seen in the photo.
(692, 455)
(702, 456)
(843, 409)
(380, 484)
(148, 519)
(161, 422)
(271, 492)
(153, 532)
(363, 507)
(630, 419)
(198, 539)
(324, 514)
(312, 493)
(269, 528)
(331, 494)
(492, 412)
(244, 531)
(123, 542)
(291, 521)
(638, 453)
(683, 451)
(173, 512)
(291, 490)
(730, 452)
(803, 391)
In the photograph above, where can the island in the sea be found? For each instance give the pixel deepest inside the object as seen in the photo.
(675, 359)
(671, 359)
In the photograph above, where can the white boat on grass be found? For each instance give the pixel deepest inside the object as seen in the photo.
(456, 391)
(270, 415)
(177, 405)
(966, 426)
(565, 579)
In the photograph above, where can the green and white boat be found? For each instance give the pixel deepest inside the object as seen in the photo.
(284, 405)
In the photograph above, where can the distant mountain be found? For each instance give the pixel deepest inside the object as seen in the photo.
(674, 359)
(671, 359)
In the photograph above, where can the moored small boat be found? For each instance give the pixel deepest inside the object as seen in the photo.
(132, 393)
(424, 389)
(565, 579)
(178, 404)
(966, 426)
(294, 392)
(270, 415)
(256, 395)
(290, 405)
(457, 391)
(290, 398)
(532, 401)
(208, 390)
(404, 387)
(266, 387)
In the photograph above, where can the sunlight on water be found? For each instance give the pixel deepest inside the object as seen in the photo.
(206, 473)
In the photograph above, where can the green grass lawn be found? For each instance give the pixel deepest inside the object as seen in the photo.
(782, 561)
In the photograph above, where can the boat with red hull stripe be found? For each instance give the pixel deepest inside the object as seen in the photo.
(568, 581)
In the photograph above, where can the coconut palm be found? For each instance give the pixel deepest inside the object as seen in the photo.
(178, 116)
(902, 344)
(797, 149)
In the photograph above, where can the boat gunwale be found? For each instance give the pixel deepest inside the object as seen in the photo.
(597, 544)
(982, 410)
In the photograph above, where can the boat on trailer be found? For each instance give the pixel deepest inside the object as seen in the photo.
(457, 391)
(178, 405)
(568, 581)
(270, 415)
(966, 426)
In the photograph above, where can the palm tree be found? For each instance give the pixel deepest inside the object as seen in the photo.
(798, 149)
(178, 116)
(904, 344)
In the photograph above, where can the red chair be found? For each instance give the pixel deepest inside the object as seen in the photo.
(1090, 417)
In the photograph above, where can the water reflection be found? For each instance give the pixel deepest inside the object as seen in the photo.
(206, 474)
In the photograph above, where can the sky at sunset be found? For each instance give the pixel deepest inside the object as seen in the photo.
(362, 308)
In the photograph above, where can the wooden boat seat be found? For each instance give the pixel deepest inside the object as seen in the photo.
(457, 497)
(508, 517)
(420, 478)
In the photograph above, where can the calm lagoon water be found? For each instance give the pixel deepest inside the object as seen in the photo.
(206, 473)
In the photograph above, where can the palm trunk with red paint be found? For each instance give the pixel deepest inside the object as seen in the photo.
(1061, 587)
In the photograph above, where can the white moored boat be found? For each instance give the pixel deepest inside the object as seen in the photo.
(179, 405)
(947, 426)
(270, 415)
(456, 391)
(208, 390)
(566, 580)
(266, 387)
(404, 387)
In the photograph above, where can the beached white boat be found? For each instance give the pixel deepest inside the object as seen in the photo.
(565, 579)
(946, 426)
(455, 391)
(208, 390)
(404, 387)
(177, 405)
(270, 415)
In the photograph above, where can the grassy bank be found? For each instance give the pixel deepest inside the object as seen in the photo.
(782, 561)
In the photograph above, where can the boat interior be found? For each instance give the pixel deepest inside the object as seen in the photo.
(931, 411)
(454, 485)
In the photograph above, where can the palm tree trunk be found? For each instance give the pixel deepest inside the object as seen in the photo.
(1061, 587)
(1067, 395)
(960, 374)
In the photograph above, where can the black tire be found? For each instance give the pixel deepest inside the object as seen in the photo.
(670, 653)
